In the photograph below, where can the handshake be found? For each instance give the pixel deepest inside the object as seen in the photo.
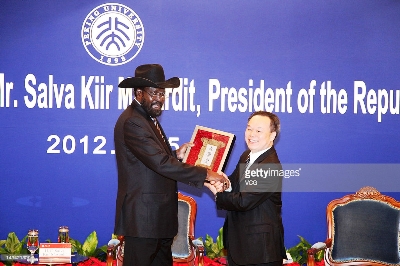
(216, 182)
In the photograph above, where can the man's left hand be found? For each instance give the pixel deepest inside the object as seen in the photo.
(180, 153)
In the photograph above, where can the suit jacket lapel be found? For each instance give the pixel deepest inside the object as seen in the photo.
(165, 144)
(161, 137)
(262, 157)
(240, 176)
(242, 161)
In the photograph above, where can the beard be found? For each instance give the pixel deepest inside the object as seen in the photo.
(149, 107)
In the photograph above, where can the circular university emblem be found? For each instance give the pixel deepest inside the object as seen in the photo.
(112, 34)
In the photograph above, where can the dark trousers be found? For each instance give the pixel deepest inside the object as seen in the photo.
(147, 251)
(232, 263)
(275, 263)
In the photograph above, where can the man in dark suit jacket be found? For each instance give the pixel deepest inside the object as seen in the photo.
(148, 171)
(253, 230)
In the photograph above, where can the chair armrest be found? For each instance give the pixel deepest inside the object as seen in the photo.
(199, 246)
(316, 248)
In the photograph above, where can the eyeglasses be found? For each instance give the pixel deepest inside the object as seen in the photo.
(153, 94)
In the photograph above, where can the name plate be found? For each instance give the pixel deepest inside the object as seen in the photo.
(55, 253)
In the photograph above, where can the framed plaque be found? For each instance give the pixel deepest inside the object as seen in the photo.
(211, 148)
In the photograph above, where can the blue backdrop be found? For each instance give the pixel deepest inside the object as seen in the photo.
(329, 69)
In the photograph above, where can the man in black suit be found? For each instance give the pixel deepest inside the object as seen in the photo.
(148, 171)
(253, 230)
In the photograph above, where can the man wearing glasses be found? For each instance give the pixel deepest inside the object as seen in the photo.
(148, 170)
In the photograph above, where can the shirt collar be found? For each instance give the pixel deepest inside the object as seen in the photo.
(255, 155)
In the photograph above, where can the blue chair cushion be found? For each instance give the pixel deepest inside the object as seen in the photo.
(181, 246)
(366, 230)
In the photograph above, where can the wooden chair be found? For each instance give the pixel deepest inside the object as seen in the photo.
(363, 229)
(185, 249)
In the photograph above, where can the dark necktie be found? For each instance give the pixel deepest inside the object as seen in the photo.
(247, 165)
(247, 161)
(242, 177)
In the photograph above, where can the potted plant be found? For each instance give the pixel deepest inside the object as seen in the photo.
(12, 246)
(299, 254)
(215, 251)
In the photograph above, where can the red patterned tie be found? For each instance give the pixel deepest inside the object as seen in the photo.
(158, 127)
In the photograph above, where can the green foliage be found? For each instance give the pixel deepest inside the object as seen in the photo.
(89, 247)
(214, 250)
(12, 245)
(299, 252)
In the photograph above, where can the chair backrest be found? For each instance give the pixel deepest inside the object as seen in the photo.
(187, 208)
(364, 227)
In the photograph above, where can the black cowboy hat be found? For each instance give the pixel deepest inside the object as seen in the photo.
(149, 75)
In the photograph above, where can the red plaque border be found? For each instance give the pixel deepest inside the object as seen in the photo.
(211, 148)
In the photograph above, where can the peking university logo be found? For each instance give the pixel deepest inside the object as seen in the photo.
(112, 34)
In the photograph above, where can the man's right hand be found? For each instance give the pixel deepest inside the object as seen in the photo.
(215, 177)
